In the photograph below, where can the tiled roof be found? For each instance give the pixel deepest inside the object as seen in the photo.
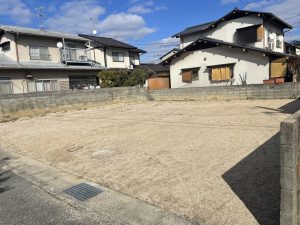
(50, 65)
(154, 67)
(37, 32)
(234, 14)
(109, 42)
(194, 29)
(204, 43)
(7, 63)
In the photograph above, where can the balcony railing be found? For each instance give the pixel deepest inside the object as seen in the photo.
(75, 55)
(39, 56)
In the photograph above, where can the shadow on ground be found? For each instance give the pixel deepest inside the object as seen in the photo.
(4, 176)
(256, 179)
(289, 108)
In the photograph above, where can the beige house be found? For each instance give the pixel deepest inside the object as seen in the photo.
(36, 60)
(242, 47)
(33, 60)
(113, 54)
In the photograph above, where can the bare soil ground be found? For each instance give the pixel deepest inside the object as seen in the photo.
(214, 162)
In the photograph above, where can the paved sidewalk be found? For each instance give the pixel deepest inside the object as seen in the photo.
(33, 194)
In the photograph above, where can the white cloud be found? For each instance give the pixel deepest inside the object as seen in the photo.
(16, 10)
(145, 7)
(125, 25)
(158, 48)
(224, 2)
(74, 17)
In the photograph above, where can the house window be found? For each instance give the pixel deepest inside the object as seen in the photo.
(221, 73)
(132, 59)
(42, 85)
(278, 41)
(6, 86)
(39, 53)
(190, 75)
(5, 46)
(118, 57)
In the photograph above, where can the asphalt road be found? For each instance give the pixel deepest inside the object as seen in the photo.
(24, 203)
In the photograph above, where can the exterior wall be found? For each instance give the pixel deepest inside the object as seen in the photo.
(254, 64)
(275, 30)
(112, 64)
(225, 31)
(12, 53)
(19, 77)
(24, 42)
(98, 56)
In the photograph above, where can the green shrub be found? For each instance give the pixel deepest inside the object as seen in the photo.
(122, 78)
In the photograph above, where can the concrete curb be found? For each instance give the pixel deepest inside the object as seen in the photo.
(122, 208)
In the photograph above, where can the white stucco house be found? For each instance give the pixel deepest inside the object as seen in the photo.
(242, 47)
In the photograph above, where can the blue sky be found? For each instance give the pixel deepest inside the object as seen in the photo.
(148, 24)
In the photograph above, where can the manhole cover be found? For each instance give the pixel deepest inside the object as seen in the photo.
(83, 191)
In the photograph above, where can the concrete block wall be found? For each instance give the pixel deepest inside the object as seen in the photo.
(284, 91)
(289, 165)
(31, 104)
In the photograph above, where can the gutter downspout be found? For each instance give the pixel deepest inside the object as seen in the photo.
(17, 49)
(105, 59)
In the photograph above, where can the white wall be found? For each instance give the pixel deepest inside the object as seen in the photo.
(254, 64)
(225, 31)
(12, 53)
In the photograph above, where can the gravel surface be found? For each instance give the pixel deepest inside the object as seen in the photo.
(216, 162)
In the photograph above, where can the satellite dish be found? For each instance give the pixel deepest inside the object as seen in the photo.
(94, 32)
(59, 45)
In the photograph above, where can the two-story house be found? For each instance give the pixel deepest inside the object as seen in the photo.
(113, 54)
(242, 47)
(35, 60)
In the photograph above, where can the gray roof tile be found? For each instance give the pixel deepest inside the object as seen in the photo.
(37, 32)
(7, 63)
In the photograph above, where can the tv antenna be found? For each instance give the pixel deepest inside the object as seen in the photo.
(40, 15)
(94, 26)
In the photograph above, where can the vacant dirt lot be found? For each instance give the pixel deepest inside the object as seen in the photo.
(215, 162)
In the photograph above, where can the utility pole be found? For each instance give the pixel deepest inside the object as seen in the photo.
(40, 15)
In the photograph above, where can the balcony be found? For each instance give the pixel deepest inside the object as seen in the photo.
(39, 56)
(75, 56)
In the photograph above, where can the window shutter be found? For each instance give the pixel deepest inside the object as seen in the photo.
(260, 33)
(278, 68)
(187, 76)
(215, 74)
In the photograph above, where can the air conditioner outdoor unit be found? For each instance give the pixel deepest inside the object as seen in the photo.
(130, 67)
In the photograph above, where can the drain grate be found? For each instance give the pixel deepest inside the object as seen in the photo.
(83, 191)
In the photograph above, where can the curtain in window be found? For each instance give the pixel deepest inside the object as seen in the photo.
(6, 87)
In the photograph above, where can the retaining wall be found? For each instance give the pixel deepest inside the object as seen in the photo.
(30, 104)
(283, 91)
(289, 171)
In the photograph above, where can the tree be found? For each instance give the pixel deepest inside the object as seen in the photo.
(293, 66)
(122, 78)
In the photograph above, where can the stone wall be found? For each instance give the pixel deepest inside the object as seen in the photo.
(289, 163)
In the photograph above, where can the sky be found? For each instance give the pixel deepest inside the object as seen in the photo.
(147, 24)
